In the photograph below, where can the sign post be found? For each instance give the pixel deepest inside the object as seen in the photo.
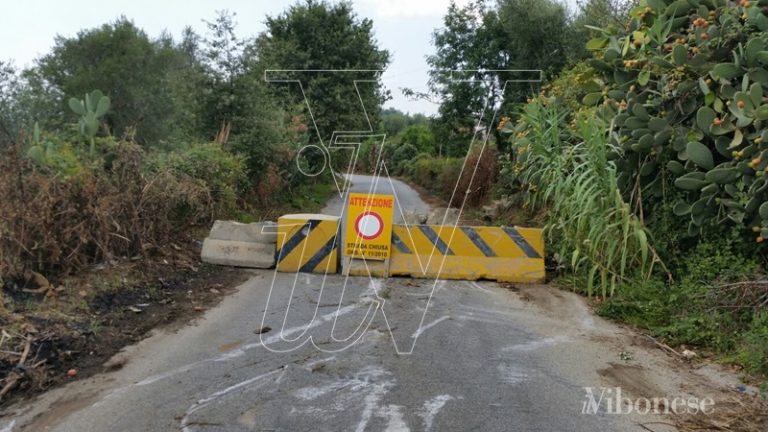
(369, 226)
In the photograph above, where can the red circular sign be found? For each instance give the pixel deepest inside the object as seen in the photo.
(369, 225)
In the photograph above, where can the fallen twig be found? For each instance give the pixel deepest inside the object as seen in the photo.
(664, 346)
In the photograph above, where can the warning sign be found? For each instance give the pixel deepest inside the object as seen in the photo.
(369, 226)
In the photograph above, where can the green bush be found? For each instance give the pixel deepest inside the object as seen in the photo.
(754, 349)
(220, 172)
(420, 136)
(51, 152)
(710, 306)
(685, 89)
(401, 156)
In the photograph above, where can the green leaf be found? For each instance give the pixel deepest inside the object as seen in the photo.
(709, 98)
(103, 106)
(726, 71)
(762, 57)
(704, 87)
(752, 50)
(661, 62)
(756, 94)
(675, 168)
(640, 112)
(678, 8)
(681, 209)
(738, 138)
(644, 78)
(680, 55)
(591, 280)
(761, 113)
(642, 239)
(592, 98)
(657, 124)
(764, 210)
(37, 154)
(692, 181)
(723, 175)
(700, 155)
(705, 117)
(76, 106)
(597, 44)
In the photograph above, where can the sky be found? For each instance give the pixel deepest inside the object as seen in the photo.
(404, 27)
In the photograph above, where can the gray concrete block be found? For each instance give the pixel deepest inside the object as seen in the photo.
(238, 254)
(413, 218)
(443, 216)
(259, 232)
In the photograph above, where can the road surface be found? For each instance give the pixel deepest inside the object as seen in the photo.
(368, 355)
(406, 199)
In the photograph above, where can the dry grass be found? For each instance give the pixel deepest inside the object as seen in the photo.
(745, 414)
(56, 225)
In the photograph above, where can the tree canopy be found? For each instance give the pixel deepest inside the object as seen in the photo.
(321, 36)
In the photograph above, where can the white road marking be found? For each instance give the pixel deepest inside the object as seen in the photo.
(477, 285)
(372, 400)
(310, 365)
(431, 408)
(421, 330)
(512, 374)
(312, 393)
(202, 403)
(395, 420)
(484, 320)
(536, 344)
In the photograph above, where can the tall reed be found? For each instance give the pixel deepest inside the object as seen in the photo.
(567, 170)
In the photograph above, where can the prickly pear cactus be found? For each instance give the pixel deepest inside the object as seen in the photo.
(90, 110)
(686, 90)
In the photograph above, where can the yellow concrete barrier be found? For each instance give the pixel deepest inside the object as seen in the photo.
(505, 254)
(307, 243)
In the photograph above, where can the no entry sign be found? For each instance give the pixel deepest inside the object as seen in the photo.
(369, 226)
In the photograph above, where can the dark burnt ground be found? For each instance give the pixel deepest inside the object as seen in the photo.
(76, 327)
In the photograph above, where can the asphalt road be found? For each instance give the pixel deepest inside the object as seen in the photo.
(406, 199)
(364, 354)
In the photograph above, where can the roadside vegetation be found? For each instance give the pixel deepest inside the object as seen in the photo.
(644, 150)
(118, 151)
(669, 115)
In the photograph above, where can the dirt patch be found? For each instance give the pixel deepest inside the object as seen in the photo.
(630, 378)
(71, 331)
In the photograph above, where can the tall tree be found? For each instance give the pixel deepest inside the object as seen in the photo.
(317, 35)
(222, 55)
(122, 61)
(489, 39)
(25, 98)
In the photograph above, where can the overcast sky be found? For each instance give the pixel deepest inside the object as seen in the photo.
(404, 27)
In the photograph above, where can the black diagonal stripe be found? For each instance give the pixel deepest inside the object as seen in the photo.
(296, 240)
(521, 242)
(318, 257)
(400, 245)
(478, 241)
(435, 239)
